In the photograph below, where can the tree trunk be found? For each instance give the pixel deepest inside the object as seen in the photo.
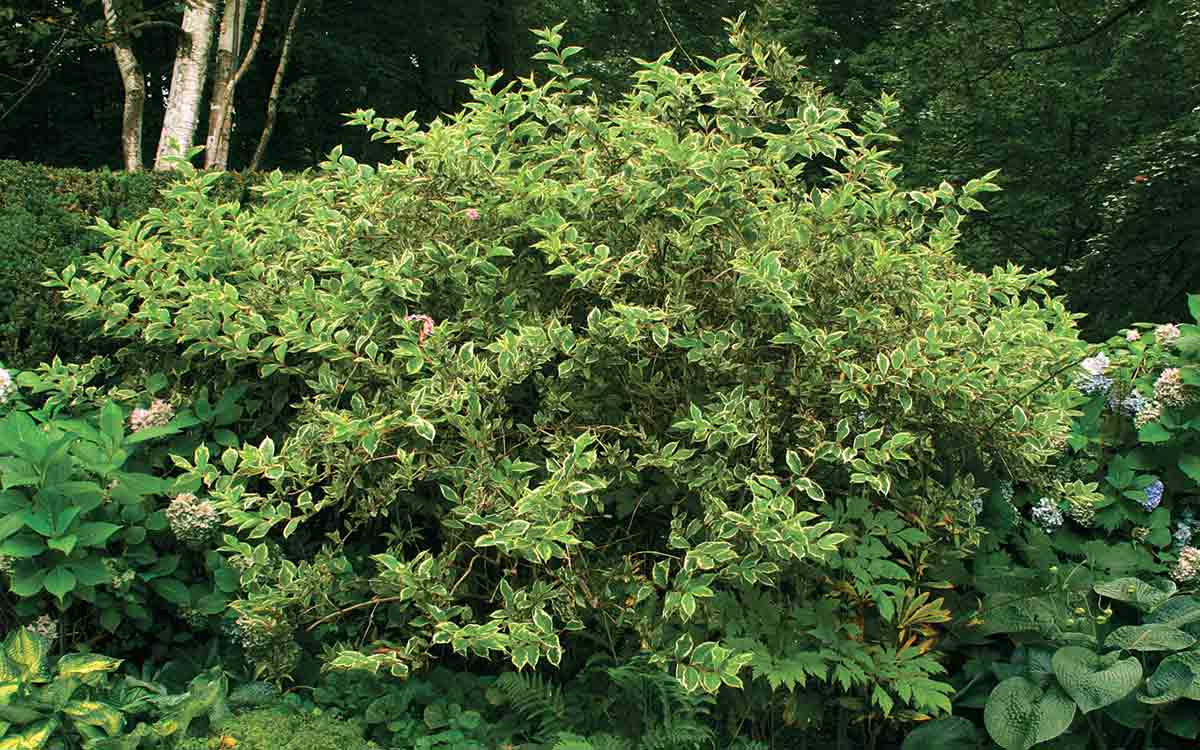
(276, 87)
(135, 90)
(220, 121)
(229, 49)
(187, 84)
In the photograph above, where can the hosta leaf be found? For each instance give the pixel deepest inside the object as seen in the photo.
(96, 714)
(20, 714)
(31, 737)
(1136, 592)
(26, 652)
(1192, 660)
(1170, 682)
(1129, 712)
(83, 664)
(1176, 612)
(1019, 714)
(1149, 638)
(1093, 680)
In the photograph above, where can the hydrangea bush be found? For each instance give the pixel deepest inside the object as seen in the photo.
(687, 375)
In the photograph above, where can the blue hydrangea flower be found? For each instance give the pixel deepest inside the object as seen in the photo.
(1092, 384)
(1133, 404)
(1183, 534)
(1047, 514)
(1154, 495)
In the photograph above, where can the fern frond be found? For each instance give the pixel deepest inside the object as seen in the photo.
(536, 701)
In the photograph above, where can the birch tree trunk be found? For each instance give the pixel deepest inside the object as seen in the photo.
(229, 49)
(276, 87)
(135, 89)
(220, 120)
(187, 83)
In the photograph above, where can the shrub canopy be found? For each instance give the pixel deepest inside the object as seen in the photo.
(698, 372)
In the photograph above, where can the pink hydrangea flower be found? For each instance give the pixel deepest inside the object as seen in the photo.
(159, 413)
(1188, 565)
(473, 214)
(1096, 365)
(192, 520)
(1169, 388)
(1133, 334)
(1167, 334)
(426, 326)
(7, 386)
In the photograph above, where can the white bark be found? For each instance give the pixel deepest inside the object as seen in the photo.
(187, 83)
(229, 48)
(135, 89)
(225, 80)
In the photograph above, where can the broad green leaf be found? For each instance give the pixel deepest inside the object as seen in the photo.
(31, 737)
(1135, 591)
(96, 714)
(112, 422)
(19, 714)
(96, 533)
(1019, 714)
(1093, 680)
(1170, 682)
(64, 544)
(1153, 432)
(23, 546)
(1176, 612)
(26, 652)
(173, 590)
(84, 664)
(60, 582)
(1190, 465)
(1149, 638)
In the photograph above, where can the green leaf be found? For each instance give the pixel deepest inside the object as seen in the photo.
(64, 544)
(1181, 720)
(173, 590)
(1135, 591)
(26, 652)
(23, 546)
(97, 714)
(96, 533)
(112, 422)
(1094, 681)
(85, 664)
(33, 737)
(27, 581)
(1019, 418)
(60, 582)
(1149, 638)
(1170, 682)
(1176, 612)
(1153, 432)
(90, 571)
(18, 714)
(1019, 714)
(947, 733)
(1190, 465)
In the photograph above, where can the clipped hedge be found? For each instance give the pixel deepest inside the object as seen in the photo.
(46, 215)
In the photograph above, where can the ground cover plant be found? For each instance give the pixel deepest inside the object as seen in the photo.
(671, 422)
